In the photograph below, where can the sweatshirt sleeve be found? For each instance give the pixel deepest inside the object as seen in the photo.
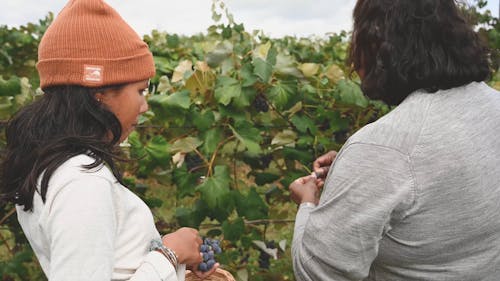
(367, 187)
(81, 228)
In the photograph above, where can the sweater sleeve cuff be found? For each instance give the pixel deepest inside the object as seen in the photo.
(162, 265)
(303, 216)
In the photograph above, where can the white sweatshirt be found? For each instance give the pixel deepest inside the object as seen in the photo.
(93, 228)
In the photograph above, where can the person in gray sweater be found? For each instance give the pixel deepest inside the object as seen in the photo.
(416, 194)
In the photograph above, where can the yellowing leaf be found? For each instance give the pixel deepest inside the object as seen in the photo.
(283, 138)
(181, 69)
(202, 66)
(201, 82)
(164, 85)
(294, 109)
(185, 145)
(335, 73)
(262, 50)
(309, 69)
(242, 274)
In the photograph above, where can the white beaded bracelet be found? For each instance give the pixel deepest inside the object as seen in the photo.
(307, 204)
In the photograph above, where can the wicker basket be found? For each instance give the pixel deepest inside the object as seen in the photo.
(218, 275)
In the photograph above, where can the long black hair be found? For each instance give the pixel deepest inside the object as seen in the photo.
(407, 45)
(66, 121)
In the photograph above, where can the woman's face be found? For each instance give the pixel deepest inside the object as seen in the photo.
(127, 103)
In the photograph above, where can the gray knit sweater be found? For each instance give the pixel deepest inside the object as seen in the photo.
(412, 196)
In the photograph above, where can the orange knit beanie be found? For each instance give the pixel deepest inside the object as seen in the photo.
(89, 44)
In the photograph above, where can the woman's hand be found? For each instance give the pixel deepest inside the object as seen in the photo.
(304, 189)
(185, 242)
(322, 165)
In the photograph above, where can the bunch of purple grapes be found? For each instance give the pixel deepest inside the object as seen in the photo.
(209, 249)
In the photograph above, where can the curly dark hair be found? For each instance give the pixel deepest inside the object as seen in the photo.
(405, 45)
(66, 121)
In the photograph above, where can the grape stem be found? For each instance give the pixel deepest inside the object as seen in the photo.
(214, 154)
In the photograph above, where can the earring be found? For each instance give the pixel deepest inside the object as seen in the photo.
(99, 100)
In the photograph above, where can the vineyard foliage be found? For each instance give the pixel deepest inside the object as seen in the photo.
(235, 117)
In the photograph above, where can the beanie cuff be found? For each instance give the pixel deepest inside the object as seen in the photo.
(95, 72)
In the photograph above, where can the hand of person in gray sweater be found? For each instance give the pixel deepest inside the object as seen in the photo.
(321, 166)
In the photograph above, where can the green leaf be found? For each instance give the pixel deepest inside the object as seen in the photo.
(136, 147)
(248, 135)
(287, 65)
(233, 230)
(247, 75)
(244, 99)
(239, 27)
(227, 32)
(215, 190)
(227, 89)
(337, 122)
(163, 64)
(153, 202)
(185, 181)
(212, 138)
(173, 41)
(204, 120)
(299, 155)
(221, 52)
(263, 178)
(189, 217)
(158, 149)
(281, 93)
(262, 69)
(350, 93)
(185, 145)
(251, 206)
(176, 100)
(303, 124)
(10, 87)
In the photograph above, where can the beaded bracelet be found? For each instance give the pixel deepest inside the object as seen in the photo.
(157, 245)
(308, 204)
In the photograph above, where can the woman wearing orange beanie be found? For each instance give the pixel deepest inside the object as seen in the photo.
(59, 169)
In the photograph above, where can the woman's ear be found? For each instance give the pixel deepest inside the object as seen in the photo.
(99, 97)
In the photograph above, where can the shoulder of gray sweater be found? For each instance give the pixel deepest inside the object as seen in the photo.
(400, 128)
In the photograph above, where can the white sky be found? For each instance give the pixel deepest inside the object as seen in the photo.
(275, 17)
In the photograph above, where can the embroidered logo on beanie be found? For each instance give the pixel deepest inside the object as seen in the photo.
(93, 73)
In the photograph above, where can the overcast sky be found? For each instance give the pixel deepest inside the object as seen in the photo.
(275, 17)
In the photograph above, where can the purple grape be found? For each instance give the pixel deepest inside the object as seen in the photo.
(209, 249)
(203, 248)
(203, 267)
(210, 254)
(210, 264)
(217, 250)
